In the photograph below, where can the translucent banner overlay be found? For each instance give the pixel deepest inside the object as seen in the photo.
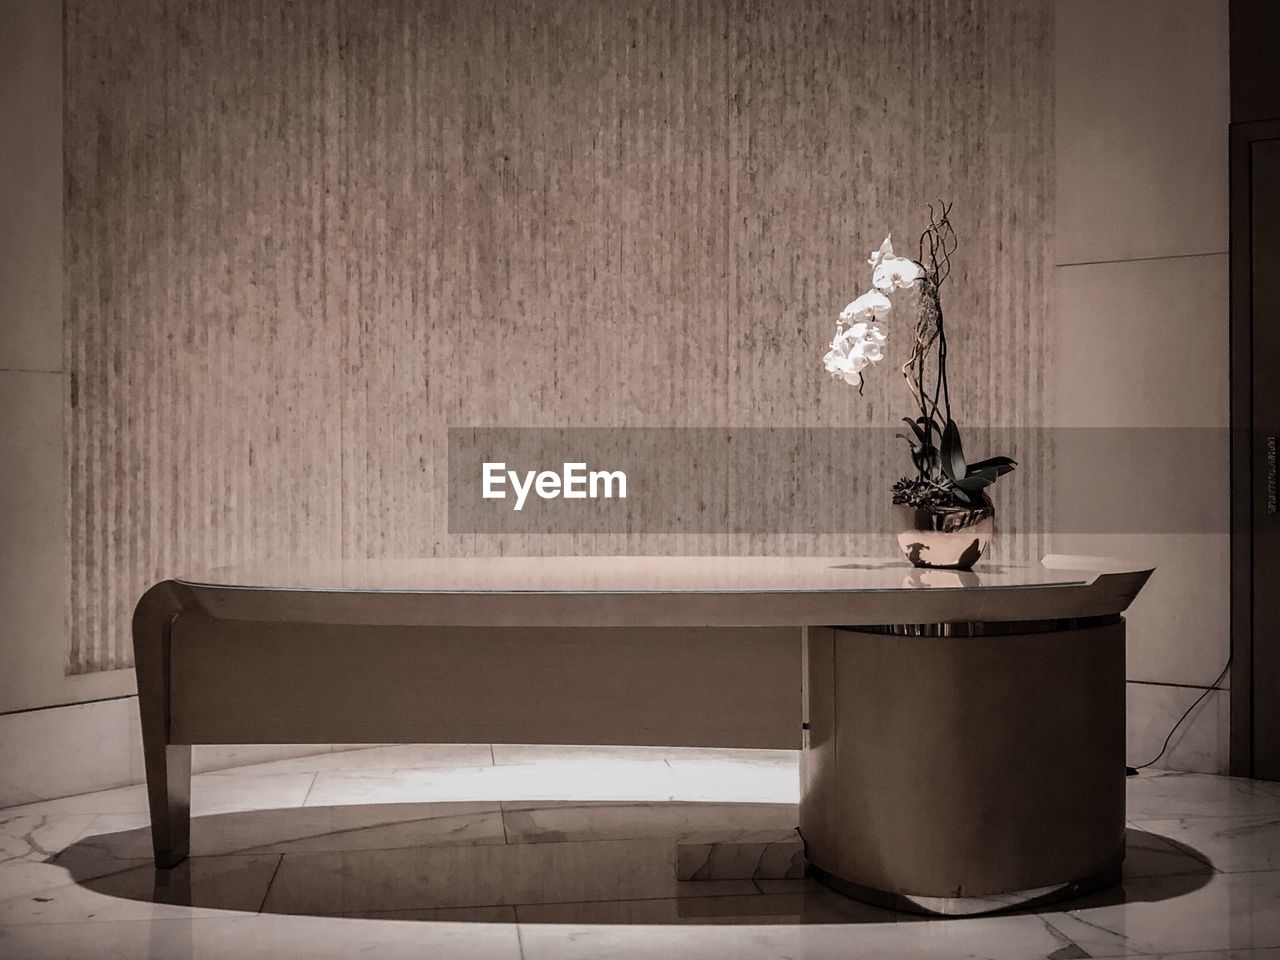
(818, 480)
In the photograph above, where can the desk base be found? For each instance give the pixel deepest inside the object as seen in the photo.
(968, 770)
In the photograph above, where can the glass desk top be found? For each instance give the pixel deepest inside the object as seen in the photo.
(641, 575)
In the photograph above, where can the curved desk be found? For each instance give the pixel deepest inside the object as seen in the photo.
(962, 734)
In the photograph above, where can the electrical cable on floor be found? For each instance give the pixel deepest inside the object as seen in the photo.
(1132, 771)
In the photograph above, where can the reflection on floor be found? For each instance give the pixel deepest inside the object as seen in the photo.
(465, 852)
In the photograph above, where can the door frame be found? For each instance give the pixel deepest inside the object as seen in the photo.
(1243, 136)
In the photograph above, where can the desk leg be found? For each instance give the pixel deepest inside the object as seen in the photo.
(168, 765)
(818, 770)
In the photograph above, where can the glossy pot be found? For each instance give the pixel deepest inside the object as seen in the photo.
(949, 537)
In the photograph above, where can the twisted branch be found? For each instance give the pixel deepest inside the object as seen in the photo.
(937, 243)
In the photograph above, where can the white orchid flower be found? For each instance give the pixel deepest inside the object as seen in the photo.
(837, 363)
(895, 273)
(853, 350)
(871, 304)
(834, 357)
(860, 339)
(886, 250)
(849, 369)
(862, 331)
(868, 350)
(845, 360)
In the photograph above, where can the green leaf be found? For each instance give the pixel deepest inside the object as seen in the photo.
(977, 480)
(953, 464)
(1001, 465)
(930, 426)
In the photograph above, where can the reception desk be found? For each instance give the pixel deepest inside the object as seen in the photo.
(962, 734)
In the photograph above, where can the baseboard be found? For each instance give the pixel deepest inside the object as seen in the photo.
(1200, 743)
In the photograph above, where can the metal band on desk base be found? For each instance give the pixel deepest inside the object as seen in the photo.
(988, 628)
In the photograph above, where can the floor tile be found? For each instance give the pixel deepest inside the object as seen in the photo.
(219, 758)
(225, 791)
(553, 780)
(1229, 844)
(245, 788)
(510, 753)
(1222, 911)
(717, 903)
(781, 856)
(399, 756)
(299, 829)
(550, 821)
(30, 878)
(732, 780)
(118, 800)
(784, 885)
(35, 837)
(130, 890)
(716, 888)
(481, 875)
(1162, 796)
(751, 908)
(503, 914)
(262, 938)
(576, 855)
(1149, 853)
(999, 938)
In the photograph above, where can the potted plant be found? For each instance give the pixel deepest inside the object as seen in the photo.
(944, 513)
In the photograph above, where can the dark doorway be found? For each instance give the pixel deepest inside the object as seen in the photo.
(1255, 429)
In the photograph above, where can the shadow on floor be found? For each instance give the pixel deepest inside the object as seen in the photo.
(596, 862)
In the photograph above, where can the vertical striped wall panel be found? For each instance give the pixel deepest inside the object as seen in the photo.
(304, 238)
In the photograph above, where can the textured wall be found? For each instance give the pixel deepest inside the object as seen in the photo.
(303, 239)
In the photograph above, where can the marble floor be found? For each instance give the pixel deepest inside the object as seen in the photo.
(509, 852)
